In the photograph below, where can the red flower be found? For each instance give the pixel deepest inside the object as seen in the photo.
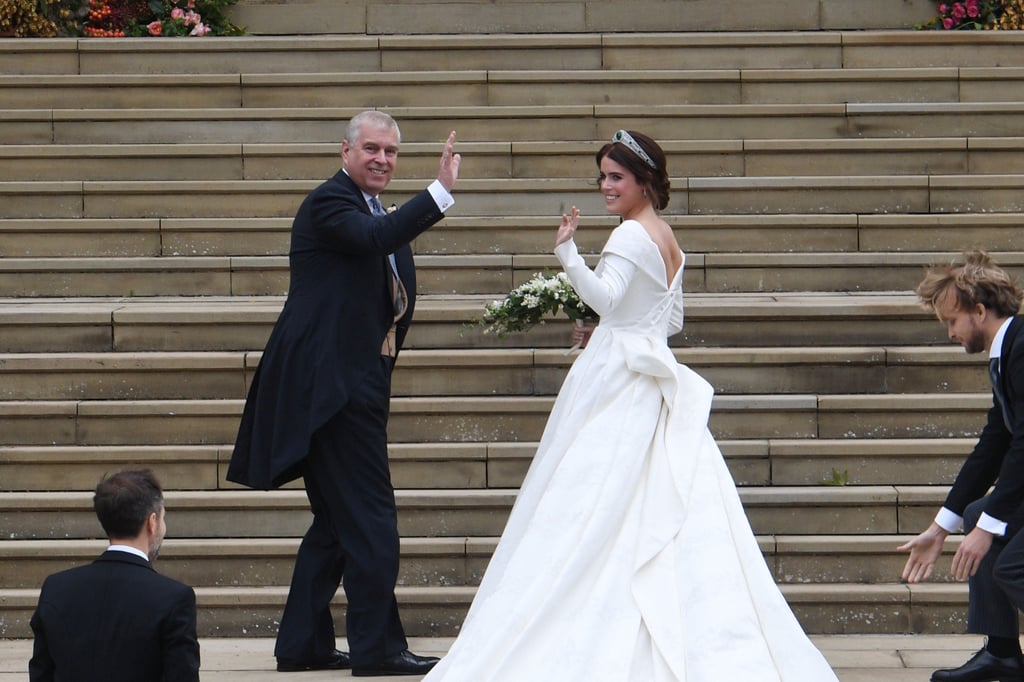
(155, 28)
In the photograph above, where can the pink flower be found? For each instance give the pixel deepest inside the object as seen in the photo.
(192, 19)
(191, 4)
(947, 23)
(972, 8)
(958, 11)
(200, 30)
(155, 28)
(943, 7)
(177, 13)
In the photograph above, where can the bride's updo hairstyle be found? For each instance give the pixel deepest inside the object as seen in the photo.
(644, 158)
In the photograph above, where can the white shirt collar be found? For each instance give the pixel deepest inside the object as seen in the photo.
(131, 550)
(366, 197)
(997, 341)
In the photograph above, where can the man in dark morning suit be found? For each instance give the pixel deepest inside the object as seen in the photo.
(117, 619)
(319, 401)
(979, 304)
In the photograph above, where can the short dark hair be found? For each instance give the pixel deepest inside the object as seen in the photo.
(125, 500)
(654, 179)
(977, 280)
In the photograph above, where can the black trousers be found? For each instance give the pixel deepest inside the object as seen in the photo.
(353, 539)
(997, 587)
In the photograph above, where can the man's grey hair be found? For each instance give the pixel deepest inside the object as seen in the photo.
(377, 119)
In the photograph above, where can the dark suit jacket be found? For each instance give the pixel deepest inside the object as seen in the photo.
(332, 326)
(114, 620)
(998, 456)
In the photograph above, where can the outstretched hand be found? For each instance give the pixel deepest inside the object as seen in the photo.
(449, 170)
(568, 227)
(924, 550)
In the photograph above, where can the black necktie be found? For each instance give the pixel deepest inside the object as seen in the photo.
(997, 388)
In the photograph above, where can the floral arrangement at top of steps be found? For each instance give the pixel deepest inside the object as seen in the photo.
(115, 18)
(977, 15)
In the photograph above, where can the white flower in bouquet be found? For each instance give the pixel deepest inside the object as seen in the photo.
(531, 302)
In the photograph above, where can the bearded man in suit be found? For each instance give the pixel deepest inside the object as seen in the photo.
(117, 619)
(319, 401)
(979, 304)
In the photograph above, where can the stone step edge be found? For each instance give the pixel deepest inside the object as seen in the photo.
(213, 548)
(910, 448)
(241, 597)
(641, 39)
(436, 77)
(690, 221)
(198, 361)
(777, 496)
(511, 404)
(514, 262)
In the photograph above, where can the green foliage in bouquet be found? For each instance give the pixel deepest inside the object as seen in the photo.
(530, 303)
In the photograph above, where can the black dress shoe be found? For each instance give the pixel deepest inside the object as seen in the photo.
(339, 660)
(404, 663)
(984, 667)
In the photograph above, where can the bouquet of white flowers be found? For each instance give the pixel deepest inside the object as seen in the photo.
(529, 303)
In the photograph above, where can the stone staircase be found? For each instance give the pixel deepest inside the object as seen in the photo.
(143, 240)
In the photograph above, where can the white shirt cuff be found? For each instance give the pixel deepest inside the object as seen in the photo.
(948, 521)
(442, 197)
(992, 525)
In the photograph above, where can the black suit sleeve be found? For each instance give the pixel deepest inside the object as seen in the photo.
(342, 220)
(1006, 497)
(998, 456)
(180, 644)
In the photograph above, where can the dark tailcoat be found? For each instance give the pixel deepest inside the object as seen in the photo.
(114, 620)
(997, 462)
(998, 457)
(331, 329)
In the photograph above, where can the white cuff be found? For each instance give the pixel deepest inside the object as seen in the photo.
(442, 197)
(992, 525)
(948, 521)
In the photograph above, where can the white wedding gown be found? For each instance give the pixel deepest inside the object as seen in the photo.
(627, 556)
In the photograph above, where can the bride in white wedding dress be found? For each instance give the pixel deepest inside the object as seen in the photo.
(627, 556)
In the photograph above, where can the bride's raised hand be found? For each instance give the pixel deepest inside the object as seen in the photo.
(568, 227)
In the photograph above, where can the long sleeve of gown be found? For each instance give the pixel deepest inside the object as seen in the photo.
(601, 288)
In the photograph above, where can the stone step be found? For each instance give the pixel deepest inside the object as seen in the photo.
(440, 562)
(667, 85)
(486, 372)
(464, 274)
(478, 235)
(406, 17)
(567, 123)
(502, 465)
(776, 510)
(446, 322)
(501, 418)
(439, 611)
(315, 161)
(732, 48)
(905, 194)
